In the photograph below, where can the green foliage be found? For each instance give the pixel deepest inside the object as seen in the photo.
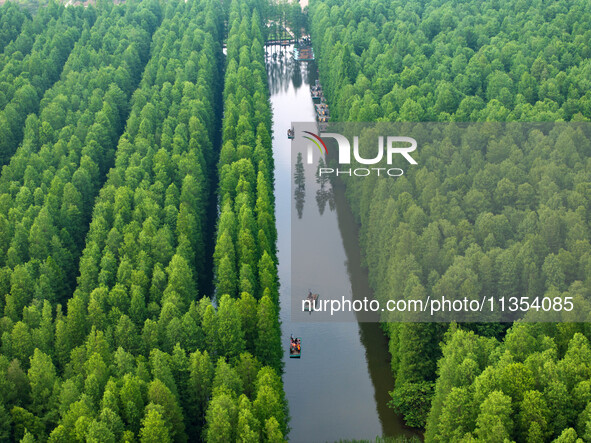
(12, 19)
(159, 394)
(506, 220)
(568, 436)
(516, 401)
(494, 421)
(49, 37)
(398, 439)
(229, 328)
(415, 61)
(268, 344)
(53, 177)
(413, 401)
(109, 115)
(154, 429)
(246, 183)
(244, 258)
(221, 419)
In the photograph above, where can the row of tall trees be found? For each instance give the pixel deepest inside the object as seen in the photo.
(50, 183)
(246, 283)
(534, 386)
(38, 36)
(142, 267)
(31, 29)
(21, 42)
(245, 256)
(483, 213)
(440, 61)
(12, 19)
(24, 80)
(47, 194)
(136, 350)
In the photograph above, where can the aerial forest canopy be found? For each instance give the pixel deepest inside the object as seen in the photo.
(247, 402)
(32, 63)
(503, 219)
(111, 118)
(12, 19)
(139, 294)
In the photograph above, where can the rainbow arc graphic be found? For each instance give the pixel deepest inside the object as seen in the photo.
(315, 140)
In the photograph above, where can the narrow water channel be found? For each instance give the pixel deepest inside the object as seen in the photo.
(339, 388)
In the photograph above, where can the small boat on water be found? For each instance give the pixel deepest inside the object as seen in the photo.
(304, 53)
(322, 112)
(311, 301)
(295, 347)
(316, 92)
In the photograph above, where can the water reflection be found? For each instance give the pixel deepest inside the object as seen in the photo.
(324, 194)
(296, 78)
(284, 72)
(339, 389)
(299, 178)
(371, 334)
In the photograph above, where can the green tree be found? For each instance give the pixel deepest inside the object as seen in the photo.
(248, 429)
(230, 335)
(42, 379)
(221, 418)
(201, 373)
(494, 422)
(154, 428)
(268, 343)
(132, 396)
(534, 415)
(269, 402)
(247, 308)
(268, 277)
(273, 431)
(159, 394)
(180, 280)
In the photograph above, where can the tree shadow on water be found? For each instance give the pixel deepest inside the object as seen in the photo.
(324, 194)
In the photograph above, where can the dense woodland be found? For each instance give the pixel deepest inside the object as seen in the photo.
(32, 63)
(12, 19)
(138, 269)
(482, 213)
(108, 205)
(249, 405)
